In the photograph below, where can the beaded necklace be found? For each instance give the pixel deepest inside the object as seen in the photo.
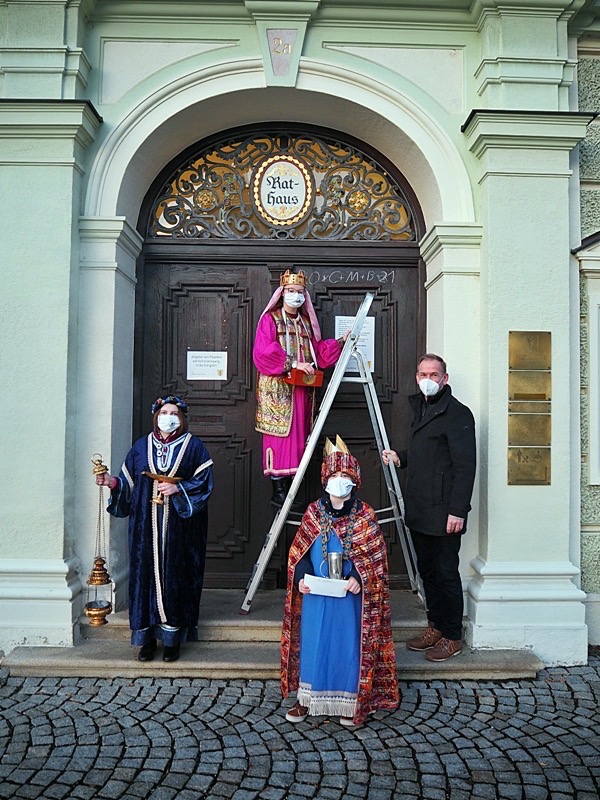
(327, 519)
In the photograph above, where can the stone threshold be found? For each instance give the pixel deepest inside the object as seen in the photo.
(248, 660)
(235, 646)
(220, 618)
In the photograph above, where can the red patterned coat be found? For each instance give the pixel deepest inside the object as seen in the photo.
(378, 685)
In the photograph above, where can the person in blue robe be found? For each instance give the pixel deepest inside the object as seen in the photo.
(167, 539)
(337, 652)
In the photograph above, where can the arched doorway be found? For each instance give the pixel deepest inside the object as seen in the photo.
(212, 255)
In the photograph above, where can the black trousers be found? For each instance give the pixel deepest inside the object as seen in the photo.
(437, 560)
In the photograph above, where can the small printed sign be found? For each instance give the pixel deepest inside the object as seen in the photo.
(206, 365)
(282, 190)
(366, 340)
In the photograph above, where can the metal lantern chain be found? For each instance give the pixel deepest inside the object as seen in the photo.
(100, 549)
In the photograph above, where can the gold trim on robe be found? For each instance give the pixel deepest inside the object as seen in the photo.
(275, 397)
(274, 405)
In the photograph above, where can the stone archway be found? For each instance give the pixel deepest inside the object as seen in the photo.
(164, 124)
(212, 255)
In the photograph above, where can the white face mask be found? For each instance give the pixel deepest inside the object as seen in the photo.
(428, 387)
(293, 299)
(339, 487)
(167, 423)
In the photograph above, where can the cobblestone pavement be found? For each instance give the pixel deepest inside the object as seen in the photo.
(184, 739)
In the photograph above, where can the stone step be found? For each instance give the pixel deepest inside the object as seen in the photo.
(247, 646)
(105, 658)
(220, 618)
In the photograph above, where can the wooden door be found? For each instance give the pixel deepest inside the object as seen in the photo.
(209, 297)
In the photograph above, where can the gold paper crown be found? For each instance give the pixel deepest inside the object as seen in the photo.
(338, 447)
(293, 278)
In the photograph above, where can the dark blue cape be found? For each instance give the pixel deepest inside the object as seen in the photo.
(166, 558)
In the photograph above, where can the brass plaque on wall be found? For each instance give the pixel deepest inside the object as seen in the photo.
(527, 407)
(529, 466)
(529, 350)
(529, 385)
(529, 430)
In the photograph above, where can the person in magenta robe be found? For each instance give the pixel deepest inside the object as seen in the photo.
(288, 336)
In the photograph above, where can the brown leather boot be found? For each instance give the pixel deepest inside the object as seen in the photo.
(426, 640)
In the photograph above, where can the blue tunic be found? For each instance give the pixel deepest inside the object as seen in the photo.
(167, 543)
(329, 643)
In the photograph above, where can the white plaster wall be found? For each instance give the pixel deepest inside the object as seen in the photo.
(435, 71)
(524, 252)
(42, 151)
(452, 256)
(109, 248)
(41, 261)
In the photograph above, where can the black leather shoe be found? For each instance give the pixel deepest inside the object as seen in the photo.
(280, 490)
(148, 651)
(171, 653)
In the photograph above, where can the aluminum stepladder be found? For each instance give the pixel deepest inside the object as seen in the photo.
(365, 378)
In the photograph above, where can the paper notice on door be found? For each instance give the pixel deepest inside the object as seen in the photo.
(206, 365)
(366, 340)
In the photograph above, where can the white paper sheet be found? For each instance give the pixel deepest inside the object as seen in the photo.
(330, 587)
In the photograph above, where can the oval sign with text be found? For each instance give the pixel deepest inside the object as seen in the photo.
(283, 190)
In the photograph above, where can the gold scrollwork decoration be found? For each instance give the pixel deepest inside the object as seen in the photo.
(358, 201)
(206, 200)
(322, 188)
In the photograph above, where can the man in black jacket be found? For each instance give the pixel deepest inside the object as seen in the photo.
(440, 460)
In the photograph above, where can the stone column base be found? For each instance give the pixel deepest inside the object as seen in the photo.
(528, 605)
(39, 602)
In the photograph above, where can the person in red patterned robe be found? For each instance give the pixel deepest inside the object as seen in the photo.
(338, 654)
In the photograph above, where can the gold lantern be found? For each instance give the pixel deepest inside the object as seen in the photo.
(99, 592)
